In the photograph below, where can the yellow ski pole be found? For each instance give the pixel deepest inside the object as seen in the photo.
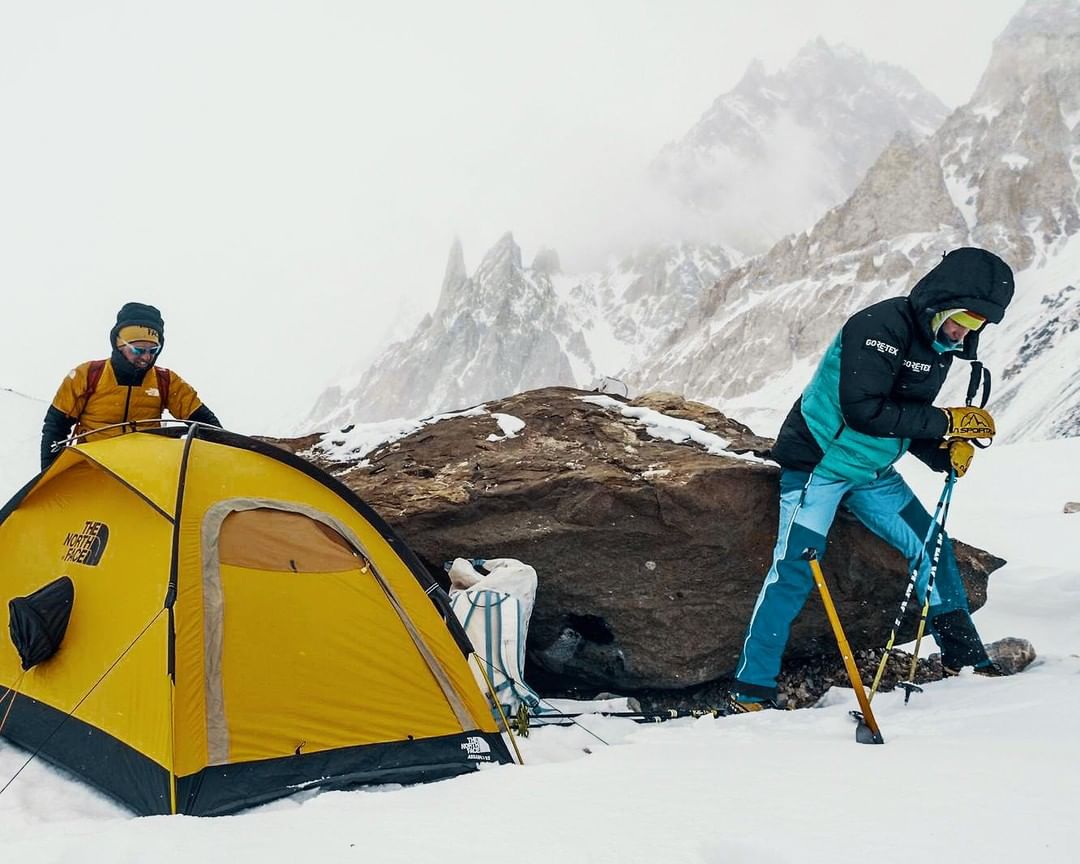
(867, 732)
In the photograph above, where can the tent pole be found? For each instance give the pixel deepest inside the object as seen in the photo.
(172, 746)
(498, 707)
(170, 601)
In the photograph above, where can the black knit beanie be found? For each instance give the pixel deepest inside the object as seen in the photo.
(140, 314)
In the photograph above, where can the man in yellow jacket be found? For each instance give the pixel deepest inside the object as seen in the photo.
(105, 394)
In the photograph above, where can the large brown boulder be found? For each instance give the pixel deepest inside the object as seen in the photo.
(650, 553)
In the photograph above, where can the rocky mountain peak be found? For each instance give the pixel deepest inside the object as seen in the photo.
(501, 262)
(1041, 41)
(547, 261)
(788, 145)
(752, 79)
(1043, 17)
(455, 281)
(903, 193)
(818, 55)
(508, 328)
(455, 265)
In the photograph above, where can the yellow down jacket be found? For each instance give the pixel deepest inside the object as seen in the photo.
(110, 402)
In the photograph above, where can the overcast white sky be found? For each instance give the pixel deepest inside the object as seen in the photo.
(284, 179)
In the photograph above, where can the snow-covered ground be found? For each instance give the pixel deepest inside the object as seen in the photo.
(973, 770)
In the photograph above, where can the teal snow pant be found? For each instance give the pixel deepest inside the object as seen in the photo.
(889, 508)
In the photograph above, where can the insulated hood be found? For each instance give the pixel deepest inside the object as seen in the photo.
(966, 278)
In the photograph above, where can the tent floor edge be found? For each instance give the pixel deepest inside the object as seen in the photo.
(127, 776)
(220, 790)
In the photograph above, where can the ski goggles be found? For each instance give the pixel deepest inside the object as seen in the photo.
(967, 318)
(139, 352)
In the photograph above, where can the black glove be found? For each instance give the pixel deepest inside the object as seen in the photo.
(56, 428)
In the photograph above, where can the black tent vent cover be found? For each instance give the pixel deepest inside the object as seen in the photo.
(39, 621)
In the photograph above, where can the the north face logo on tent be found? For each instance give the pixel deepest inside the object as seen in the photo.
(477, 749)
(87, 546)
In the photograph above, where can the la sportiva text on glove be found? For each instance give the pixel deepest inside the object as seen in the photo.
(969, 422)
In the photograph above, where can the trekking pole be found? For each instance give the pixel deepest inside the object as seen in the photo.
(517, 723)
(980, 377)
(867, 731)
(567, 718)
(910, 686)
(945, 493)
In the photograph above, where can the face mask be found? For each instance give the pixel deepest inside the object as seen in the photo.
(943, 345)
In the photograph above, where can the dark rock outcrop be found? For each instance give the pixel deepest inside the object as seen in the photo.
(650, 553)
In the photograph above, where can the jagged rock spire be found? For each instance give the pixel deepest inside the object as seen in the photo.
(547, 261)
(455, 265)
(1042, 40)
(501, 261)
(455, 281)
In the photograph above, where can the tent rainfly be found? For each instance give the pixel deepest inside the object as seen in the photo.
(201, 622)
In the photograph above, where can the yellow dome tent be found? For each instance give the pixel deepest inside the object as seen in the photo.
(242, 626)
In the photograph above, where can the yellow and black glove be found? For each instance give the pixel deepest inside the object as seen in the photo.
(961, 453)
(969, 422)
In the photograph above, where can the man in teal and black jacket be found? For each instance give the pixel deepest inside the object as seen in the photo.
(869, 402)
